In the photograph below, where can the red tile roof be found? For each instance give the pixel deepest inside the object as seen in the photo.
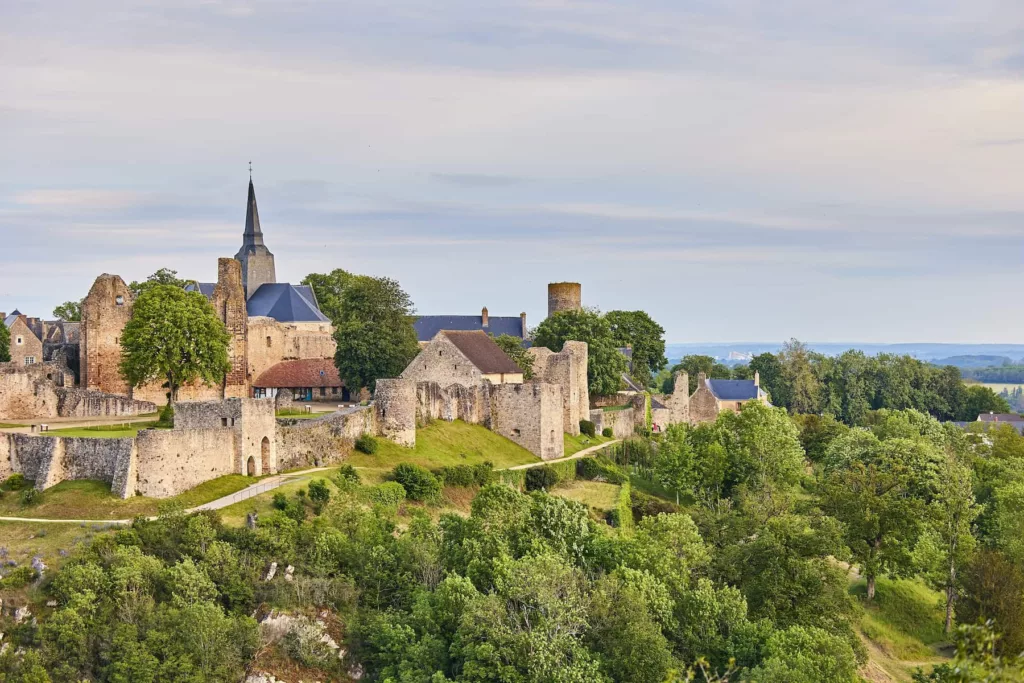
(298, 374)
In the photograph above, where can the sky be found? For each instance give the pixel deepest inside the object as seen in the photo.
(831, 171)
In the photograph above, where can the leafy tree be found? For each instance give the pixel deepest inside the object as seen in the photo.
(817, 433)
(949, 543)
(769, 369)
(175, 336)
(374, 333)
(329, 289)
(806, 655)
(69, 311)
(623, 628)
(764, 448)
(981, 400)
(605, 364)
(647, 339)
(870, 489)
(993, 590)
(798, 373)
(5, 343)
(513, 347)
(164, 276)
(977, 659)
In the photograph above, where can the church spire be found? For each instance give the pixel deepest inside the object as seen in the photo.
(252, 235)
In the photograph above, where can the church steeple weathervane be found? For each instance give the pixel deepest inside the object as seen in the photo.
(257, 261)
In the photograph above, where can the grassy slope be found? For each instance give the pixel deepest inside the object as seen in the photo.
(575, 444)
(88, 499)
(902, 629)
(447, 443)
(598, 495)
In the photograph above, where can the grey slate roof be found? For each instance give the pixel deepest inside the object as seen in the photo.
(286, 303)
(734, 389)
(427, 326)
(12, 318)
(204, 288)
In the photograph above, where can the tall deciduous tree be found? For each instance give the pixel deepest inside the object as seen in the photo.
(5, 343)
(69, 311)
(513, 347)
(329, 289)
(175, 336)
(769, 369)
(164, 276)
(798, 373)
(605, 363)
(695, 364)
(638, 330)
(870, 489)
(374, 331)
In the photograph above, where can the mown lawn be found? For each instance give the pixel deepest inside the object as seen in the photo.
(7, 425)
(575, 444)
(114, 431)
(447, 443)
(90, 499)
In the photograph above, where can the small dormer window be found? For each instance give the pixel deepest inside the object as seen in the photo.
(119, 300)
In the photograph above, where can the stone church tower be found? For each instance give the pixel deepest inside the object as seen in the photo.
(257, 261)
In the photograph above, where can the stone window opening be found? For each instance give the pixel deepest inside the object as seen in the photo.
(19, 341)
(270, 342)
(223, 422)
(119, 300)
(516, 432)
(251, 467)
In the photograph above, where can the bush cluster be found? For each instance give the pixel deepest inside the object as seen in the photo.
(389, 494)
(466, 475)
(607, 432)
(366, 444)
(587, 427)
(165, 419)
(18, 578)
(15, 482)
(541, 478)
(418, 482)
(594, 469)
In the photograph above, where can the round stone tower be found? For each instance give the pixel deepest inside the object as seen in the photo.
(564, 296)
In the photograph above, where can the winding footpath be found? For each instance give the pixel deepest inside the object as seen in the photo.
(271, 483)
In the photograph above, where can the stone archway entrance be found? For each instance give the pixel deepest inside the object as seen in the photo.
(250, 467)
(265, 455)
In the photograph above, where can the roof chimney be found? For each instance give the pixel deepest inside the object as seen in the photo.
(757, 378)
(486, 318)
(3, 316)
(522, 319)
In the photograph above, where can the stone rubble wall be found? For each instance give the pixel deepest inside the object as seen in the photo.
(470, 404)
(270, 342)
(442, 362)
(622, 422)
(568, 370)
(394, 403)
(322, 441)
(171, 461)
(37, 392)
(531, 415)
(49, 460)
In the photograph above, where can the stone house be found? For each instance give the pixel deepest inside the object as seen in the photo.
(463, 357)
(310, 379)
(714, 396)
(26, 338)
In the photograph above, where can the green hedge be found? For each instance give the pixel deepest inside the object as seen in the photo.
(622, 516)
(514, 478)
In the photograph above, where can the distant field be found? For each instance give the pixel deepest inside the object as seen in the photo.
(999, 386)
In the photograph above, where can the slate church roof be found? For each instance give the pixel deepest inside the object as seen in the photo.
(285, 303)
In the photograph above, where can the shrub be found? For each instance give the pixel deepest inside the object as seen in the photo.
(15, 482)
(319, 494)
(349, 474)
(622, 515)
(166, 416)
(279, 501)
(607, 432)
(587, 468)
(418, 482)
(304, 642)
(466, 475)
(644, 505)
(366, 444)
(18, 578)
(587, 427)
(390, 494)
(30, 496)
(541, 478)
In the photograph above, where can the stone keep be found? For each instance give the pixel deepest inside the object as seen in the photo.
(678, 403)
(229, 302)
(564, 296)
(105, 311)
(568, 369)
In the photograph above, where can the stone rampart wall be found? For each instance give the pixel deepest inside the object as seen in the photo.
(622, 422)
(49, 460)
(36, 392)
(169, 462)
(567, 369)
(322, 441)
(394, 402)
(470, 404)
(531, 415)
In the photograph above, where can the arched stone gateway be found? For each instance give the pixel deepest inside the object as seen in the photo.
(265, 455)
(250, 467)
